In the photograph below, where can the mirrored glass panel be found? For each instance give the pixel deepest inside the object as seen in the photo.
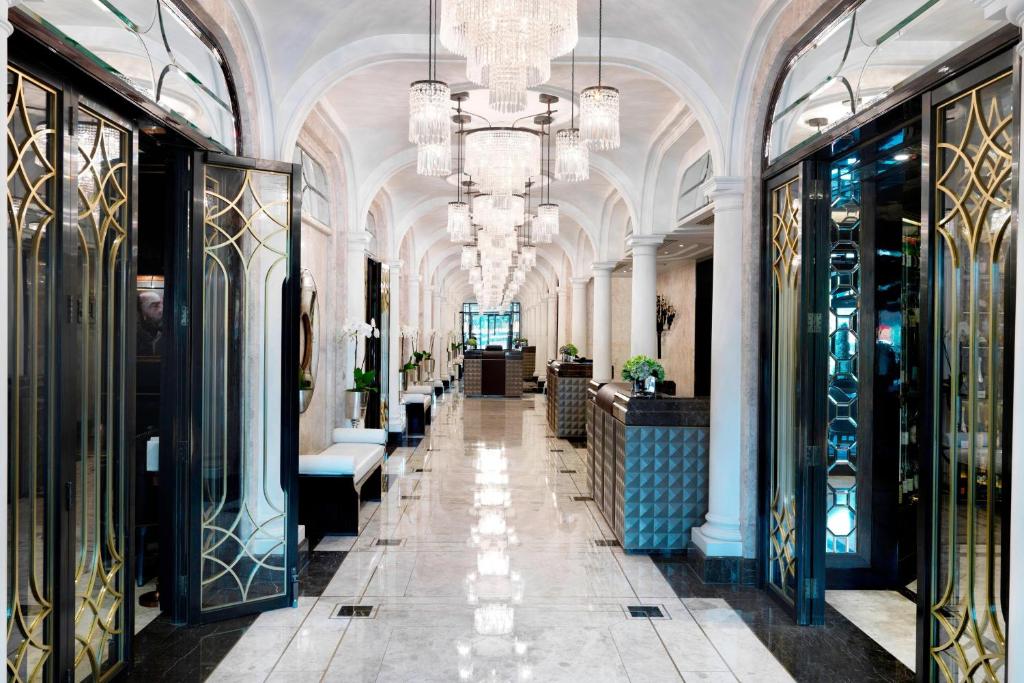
(101, 155)
(973, 200)
(862, 57)
(245, 264)
(32, 180)
(785, 234)
(154, 48)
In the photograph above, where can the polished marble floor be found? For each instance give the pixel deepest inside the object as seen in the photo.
(480, 565)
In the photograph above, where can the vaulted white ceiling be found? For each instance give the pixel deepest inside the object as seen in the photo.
(676, 62)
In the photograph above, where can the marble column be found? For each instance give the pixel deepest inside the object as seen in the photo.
(427, 313)
(720, 535)
(563, 315)
(552, 328)
(441, 333)
(579, 314)
(602, 334)
(644, 312)
(396, 413)
(413, 319)
(355, 274)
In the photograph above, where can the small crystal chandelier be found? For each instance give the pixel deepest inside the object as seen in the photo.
(460, 222)
(547, 212)
(599, 104)
(502, 160)
(509, 44)
(429, 107)
(469, 258)
(572, 163)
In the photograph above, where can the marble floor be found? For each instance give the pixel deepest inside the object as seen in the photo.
(480, 564)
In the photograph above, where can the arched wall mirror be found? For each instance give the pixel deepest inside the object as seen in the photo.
(309, 338)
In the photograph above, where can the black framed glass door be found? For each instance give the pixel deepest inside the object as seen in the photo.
(243, 531)
(793, 471)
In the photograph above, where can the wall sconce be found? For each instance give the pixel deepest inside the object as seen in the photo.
(666, 315)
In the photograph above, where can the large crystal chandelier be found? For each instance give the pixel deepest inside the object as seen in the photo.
(572, 156)
(509, 44)
(502, 160)
(599, 104)
(429, 110)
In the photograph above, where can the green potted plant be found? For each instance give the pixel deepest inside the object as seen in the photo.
(520, 342)
(426, 366)
(643, 372)
(471, 343)
(569, 352)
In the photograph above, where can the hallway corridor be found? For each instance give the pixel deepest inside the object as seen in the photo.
(483, 564)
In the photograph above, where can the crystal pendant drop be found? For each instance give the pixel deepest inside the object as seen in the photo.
(430, 113)
(434, 160)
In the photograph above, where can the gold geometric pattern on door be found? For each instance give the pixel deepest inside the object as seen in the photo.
(31, 213)
(785, 290)
(101, 166)
(246, 226)
(973, 197)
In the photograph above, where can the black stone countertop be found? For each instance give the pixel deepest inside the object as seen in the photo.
(493, 355)
(563, 369)
(660, 410)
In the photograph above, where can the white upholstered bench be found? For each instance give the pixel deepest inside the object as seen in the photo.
(332, 483)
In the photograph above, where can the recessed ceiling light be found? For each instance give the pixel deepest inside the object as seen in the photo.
(902, 156)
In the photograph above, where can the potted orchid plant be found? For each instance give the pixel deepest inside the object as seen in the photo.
(644, 372)
(363, 381)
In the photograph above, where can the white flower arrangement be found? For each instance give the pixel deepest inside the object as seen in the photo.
(354, 329)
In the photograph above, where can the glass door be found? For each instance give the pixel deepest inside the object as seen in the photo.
(793, 352)
(244, 465)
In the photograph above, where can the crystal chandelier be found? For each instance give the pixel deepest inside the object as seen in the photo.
(547, 221)
(599, 104)
(460, 225)
(509, 44)
(572, 163)
(468, 259)
(429, 108)
(502, 160)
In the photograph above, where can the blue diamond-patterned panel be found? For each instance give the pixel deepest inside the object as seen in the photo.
(662, 485)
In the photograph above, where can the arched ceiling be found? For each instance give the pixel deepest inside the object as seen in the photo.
(676, 63)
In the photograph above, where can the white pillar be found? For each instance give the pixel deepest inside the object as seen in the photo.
(396, 413)
(355, 301)
(602, 334)
(441, 332)
(579, 314)
(552, 327)
(644, 311)
(428, 317)
(413, 319)
(563, 315)
(720, 534)
(5, 32)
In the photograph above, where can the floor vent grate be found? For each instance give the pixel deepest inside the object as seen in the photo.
(390, 541)
(645, 612)
(606, 543)
(567, 471)
(582, 499)
(355, 612)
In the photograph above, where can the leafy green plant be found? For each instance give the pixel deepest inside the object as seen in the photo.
(409, 367)
(472, 342)
(418, 355)
(639, 368)
(569, 350)
(363, 380)
(426, 355)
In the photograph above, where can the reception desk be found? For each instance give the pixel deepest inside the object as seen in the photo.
(567, 398)
(493, 373)
(648, 465)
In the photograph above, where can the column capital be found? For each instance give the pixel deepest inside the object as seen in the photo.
(604, 268)
(725, 191)
(359, 239)
(651, 241)
(580, 281)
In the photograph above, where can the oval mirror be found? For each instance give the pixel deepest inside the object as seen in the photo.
(309, 338)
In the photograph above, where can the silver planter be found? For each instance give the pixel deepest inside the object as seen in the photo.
(426, 369)
(355, 406)
(405, 380)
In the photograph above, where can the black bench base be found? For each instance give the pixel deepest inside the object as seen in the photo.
(329, 504)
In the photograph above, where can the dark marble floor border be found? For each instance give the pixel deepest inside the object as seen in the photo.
(189, 654)
(837, 652)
